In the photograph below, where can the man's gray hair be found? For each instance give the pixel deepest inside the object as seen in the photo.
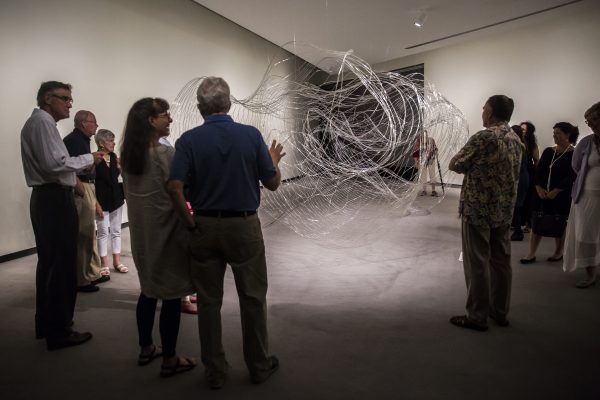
(213, 96)
(103, 135)
(81, 116)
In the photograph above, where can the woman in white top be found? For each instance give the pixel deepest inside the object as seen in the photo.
(582, 247)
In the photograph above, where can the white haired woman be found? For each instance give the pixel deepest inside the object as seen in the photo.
(109, 194)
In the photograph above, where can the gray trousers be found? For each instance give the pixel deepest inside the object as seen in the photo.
(239, 243)
(488, 274)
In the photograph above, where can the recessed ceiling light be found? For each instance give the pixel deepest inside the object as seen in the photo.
(420, 20)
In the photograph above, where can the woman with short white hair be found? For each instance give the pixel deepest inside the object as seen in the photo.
(109, 193)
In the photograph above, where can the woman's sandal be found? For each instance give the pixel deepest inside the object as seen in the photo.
(104, 271)
(145, 359)
(183, 364)
(121, 268)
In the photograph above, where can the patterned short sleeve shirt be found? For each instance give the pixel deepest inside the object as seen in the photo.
(490, 161)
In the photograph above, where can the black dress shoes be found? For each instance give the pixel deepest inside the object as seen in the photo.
(527, 260)
(102, 279)
(71, 339)
(88, 288)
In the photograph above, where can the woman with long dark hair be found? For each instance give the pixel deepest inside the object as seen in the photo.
(531, 158)
(554, 179)
(157, 236)
(522, 190)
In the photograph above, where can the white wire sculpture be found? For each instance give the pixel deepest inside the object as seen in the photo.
(349, 133)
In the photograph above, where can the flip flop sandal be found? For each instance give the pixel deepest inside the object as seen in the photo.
(167, 371)
(464, 322)
(121, 268)
(145, 359)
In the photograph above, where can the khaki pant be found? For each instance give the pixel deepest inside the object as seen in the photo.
(88, 261)
(486, 260)
(239, 243)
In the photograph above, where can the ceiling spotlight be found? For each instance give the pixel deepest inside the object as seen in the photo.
(420, 20)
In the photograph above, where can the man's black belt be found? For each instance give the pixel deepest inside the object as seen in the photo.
(86, 180)
(223, 214)
(52, 186)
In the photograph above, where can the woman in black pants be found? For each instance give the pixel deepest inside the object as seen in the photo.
(158, 238)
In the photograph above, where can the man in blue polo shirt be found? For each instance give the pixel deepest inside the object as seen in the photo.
(222, 163)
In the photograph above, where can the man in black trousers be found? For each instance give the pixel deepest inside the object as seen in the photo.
(51, 173)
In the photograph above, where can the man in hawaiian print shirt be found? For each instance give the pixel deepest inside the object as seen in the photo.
(490, 161)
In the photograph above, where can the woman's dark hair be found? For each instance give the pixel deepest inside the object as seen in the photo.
(516, 129)
(529, 136)
(138, 133)
(570, 130)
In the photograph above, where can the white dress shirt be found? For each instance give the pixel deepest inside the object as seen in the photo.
(44, 155)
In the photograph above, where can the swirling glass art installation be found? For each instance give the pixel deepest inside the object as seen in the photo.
(350, 134)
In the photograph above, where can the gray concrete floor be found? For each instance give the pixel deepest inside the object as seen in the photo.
(363, 322)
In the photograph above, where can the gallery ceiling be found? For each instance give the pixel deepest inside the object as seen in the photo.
(381, 30)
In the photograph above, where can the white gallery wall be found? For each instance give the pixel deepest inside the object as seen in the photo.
(549, 65)
(113, 52)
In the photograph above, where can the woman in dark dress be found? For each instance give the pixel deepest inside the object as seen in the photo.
(532, 157)
(109, 194)
(522, 190)
(554, 179)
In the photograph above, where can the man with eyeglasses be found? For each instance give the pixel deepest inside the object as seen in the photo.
(50, 171)
(89, 272)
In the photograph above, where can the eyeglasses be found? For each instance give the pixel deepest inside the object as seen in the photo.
(91, 121)
(164, 114)
(66, 99)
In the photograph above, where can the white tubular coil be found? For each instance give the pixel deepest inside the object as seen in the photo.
(349, 133)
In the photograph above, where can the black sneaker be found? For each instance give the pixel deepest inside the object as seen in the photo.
(102, 279)
(261, 376)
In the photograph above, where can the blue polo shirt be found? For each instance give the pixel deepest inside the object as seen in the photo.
(222, 162)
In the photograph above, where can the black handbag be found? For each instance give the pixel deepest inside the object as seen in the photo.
(548, 225)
